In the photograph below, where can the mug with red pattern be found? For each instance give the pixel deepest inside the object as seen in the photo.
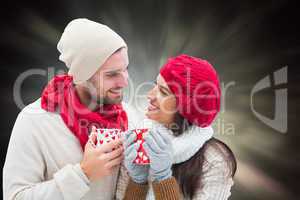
(142, 157)
(105, 135)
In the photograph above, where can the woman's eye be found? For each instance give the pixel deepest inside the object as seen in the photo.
(163, 92)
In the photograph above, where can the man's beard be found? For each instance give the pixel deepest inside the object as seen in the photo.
(96, 101)
(106, 100)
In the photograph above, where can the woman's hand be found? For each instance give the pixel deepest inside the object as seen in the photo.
(159, 149)
(138, 173)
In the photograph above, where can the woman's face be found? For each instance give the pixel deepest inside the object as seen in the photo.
(162, 103)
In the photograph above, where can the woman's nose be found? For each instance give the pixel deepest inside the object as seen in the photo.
(152, 94)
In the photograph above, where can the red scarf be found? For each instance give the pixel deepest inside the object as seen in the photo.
(60, 95)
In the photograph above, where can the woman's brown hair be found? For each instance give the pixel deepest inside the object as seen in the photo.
(189, 173)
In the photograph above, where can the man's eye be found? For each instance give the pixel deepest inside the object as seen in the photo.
(111, 75)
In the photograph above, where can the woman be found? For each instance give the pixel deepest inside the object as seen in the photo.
(186, 162)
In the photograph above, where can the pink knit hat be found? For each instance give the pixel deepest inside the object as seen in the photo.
(195, 84)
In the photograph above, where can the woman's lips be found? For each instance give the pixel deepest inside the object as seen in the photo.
(152, 107)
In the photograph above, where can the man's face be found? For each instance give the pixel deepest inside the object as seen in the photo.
(108, 82)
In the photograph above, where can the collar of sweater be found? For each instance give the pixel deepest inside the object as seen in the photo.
(189, 143)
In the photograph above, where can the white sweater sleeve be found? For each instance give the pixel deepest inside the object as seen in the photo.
(23, 172)
(216, 179)
(122, 183)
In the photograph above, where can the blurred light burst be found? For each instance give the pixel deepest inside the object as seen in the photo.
(229, 36)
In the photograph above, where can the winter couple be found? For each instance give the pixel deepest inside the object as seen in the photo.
(52, 153)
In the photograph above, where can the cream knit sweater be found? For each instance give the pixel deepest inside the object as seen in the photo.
(43, 159)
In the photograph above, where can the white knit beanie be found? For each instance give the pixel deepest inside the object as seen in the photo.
(84, 47)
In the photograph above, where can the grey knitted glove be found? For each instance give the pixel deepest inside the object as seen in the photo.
(138, 173)
(159, 149)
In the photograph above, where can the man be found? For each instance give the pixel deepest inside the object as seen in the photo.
(50, 154)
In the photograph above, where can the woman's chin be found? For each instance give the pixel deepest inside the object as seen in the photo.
(151, 115)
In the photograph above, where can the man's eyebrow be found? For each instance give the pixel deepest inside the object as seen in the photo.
(112, 71)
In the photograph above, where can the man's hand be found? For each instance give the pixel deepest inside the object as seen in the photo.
(99, 162)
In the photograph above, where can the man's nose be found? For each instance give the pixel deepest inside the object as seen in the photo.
(123, 80)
